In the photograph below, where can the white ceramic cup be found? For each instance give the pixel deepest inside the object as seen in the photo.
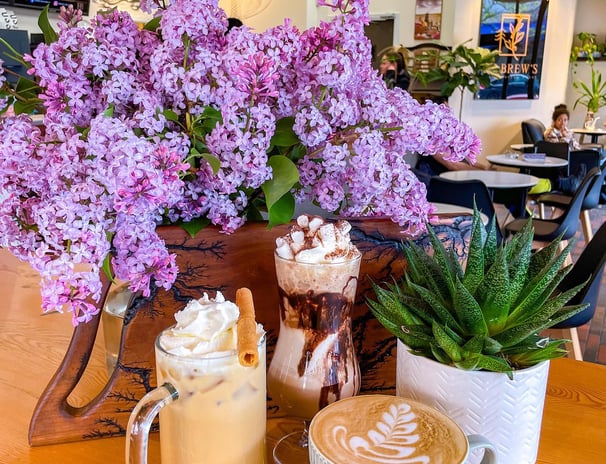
(389, 430)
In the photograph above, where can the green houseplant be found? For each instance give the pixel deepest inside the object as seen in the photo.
(460, 329)
(592, 95)
(462, 68)
(485, 317)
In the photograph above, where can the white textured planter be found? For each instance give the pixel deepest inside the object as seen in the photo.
(507, 412)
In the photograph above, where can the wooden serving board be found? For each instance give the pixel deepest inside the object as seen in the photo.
(212, 262)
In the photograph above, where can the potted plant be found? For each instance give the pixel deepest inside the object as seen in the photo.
(593, 95)
(588, 48)
(462, 68)
(469, 339)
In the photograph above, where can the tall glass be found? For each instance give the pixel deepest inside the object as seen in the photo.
(314, 363)
(212, 410)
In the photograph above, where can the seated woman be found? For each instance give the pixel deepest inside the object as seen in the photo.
(392, 69)
(558, 131)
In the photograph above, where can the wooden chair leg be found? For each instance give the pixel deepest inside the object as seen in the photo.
(541, 211)
(586, 224)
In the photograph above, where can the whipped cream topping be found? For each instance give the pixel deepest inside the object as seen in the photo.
(204, 326)
(313, 240)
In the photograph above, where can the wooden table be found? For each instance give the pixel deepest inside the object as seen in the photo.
(32, 346)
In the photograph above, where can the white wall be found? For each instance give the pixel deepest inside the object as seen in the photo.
(589, 18)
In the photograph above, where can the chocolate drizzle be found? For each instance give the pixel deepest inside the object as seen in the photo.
(319, 316)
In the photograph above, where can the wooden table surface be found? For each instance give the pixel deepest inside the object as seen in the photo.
(32, 345)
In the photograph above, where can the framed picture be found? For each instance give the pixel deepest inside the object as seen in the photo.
(517, 30)
(428, 19)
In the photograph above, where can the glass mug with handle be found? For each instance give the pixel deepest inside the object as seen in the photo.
(390, 430)
(212, 408)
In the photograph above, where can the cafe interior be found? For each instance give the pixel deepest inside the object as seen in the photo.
(63, 403)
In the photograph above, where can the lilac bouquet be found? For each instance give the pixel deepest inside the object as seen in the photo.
(183, 121)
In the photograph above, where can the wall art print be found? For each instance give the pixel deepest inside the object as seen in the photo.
(428, 19)
(516, 28)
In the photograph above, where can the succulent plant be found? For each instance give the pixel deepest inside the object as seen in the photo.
(487, 315)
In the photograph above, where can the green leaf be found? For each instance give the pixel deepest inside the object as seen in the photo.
(495, 364)
(214, 162)
(284, 176)
(194, 226)
(474, 269)
(109, 112)
(284, 135)
(153, 24)
(468, 311)
(107, 267)
(446, 343)
(45, 26)
(170, 115)
(282, 211)
(494, 295)
(441, 312)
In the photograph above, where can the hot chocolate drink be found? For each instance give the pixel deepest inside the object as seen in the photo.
(314, 363)
(387, 430)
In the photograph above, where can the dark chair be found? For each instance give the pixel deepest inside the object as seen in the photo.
(558, 150)
(532, 131)
(591, 200)
(421, 59)
(546, 230)
(463, 193)
(583, 161)
(589, 265)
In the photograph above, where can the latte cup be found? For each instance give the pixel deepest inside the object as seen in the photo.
(389, 430)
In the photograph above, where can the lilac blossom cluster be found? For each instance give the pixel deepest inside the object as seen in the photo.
(127, 144)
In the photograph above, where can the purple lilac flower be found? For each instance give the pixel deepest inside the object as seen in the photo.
(128, 139)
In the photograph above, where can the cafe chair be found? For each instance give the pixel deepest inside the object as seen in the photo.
(532, 131)
(547, 230)
(556, 149)
(591, 200)
(589, 266)
(583, 161)
(463, 193)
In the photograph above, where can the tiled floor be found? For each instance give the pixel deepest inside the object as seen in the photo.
(592, 335)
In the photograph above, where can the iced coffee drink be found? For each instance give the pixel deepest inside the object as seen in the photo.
(314, 363)
(220, 414)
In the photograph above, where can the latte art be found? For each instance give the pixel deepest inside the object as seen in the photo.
(384, 430)
(392, 439)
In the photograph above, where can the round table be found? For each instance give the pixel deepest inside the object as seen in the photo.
(525, 166)
(494, 179)
(594, 133)
(517, 185)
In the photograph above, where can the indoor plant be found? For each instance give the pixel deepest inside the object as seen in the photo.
(469, 340)
(592, 95)
(462, 68)
(184, 122)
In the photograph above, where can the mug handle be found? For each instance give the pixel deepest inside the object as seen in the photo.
(139, 423)
(490, 453)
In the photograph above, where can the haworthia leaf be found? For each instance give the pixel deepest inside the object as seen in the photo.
(468, 311)
(447, 344)
(474, 269)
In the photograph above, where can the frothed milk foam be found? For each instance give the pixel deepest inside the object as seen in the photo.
(384, 429)
(314, 363)
(220, 415)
